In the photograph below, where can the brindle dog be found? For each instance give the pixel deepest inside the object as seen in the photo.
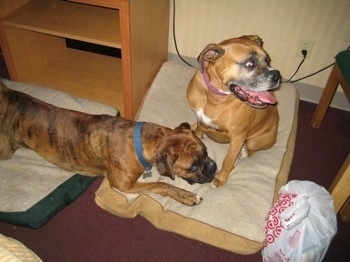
(104, 145)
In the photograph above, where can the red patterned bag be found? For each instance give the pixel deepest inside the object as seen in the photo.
(301, 224)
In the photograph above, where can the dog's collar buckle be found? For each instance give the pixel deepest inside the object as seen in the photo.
(138, 148)
(146, 174)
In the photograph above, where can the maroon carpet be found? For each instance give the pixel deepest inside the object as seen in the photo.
(84, 232)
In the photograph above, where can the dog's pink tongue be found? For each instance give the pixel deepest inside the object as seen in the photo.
(267, 97)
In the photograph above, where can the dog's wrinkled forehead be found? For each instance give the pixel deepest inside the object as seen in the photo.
(189, 144)
(234, 51)
(241, 57)
(243, 50)
(233, 48)
(183, 141)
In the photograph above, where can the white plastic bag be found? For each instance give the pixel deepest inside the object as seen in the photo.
(300, 225)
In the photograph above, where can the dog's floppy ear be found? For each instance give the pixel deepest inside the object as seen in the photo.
(211, 53)
(184, 126)
(164, 163)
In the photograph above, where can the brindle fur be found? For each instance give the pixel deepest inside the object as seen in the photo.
(103, 145)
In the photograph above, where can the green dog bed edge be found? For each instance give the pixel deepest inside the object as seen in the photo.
(49, 206)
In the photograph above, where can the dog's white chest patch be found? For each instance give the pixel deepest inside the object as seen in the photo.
(205, 119)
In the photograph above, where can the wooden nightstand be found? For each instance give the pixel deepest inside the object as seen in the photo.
(33, 36)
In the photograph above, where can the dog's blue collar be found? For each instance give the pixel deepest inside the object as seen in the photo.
(138, 146)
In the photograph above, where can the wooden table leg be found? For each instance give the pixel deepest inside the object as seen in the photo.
(340, 188)
(345, 211)
(327, 95)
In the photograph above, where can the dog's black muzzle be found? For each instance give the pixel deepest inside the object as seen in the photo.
(209, 169)
(207, 174)
(273, 75)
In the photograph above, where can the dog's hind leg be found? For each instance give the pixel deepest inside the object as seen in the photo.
(263, 141)
(244, 152)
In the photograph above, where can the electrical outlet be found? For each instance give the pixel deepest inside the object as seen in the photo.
(305, 45)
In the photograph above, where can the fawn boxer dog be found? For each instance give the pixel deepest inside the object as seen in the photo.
(231, 98)
(111, 146)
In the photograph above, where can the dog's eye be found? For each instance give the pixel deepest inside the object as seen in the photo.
(250, 64)
(194, 167)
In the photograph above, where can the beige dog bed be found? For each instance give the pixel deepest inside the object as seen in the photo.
(231, 217)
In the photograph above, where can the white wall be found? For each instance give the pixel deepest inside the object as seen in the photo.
(280, 23)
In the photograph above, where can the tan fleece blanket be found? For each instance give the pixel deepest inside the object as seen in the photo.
(11, 250)
(241, 206)
(27, 178)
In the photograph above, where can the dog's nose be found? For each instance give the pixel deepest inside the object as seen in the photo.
(273, 75)
(209, 168)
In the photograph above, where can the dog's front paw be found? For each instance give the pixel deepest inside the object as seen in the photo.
(191, 200)
(219, 180)
(198, 200)
(185, 197)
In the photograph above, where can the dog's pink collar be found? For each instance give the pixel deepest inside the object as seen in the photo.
(207, 82)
